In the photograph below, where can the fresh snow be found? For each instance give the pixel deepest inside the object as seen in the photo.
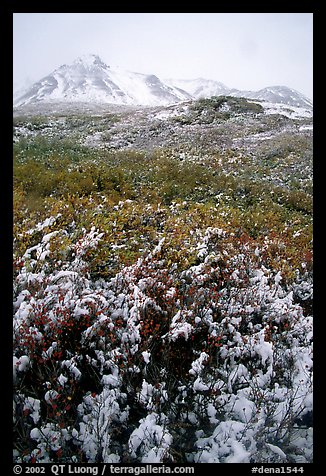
(245, 394)
(89, 80)
(235, 389)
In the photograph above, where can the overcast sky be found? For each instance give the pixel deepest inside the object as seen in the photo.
(242, 50)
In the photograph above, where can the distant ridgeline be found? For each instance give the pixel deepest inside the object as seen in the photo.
(89, 80)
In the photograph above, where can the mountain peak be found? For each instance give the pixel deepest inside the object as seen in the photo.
(89, 61)
(282, 95)
(88, 79)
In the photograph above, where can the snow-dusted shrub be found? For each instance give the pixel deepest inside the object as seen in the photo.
(201, 360)
(102, 420)
(150, 442)
(163, 291)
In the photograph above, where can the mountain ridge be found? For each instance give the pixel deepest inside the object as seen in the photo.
(88, 79)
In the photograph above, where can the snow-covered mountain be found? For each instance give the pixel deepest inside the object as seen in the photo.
(200, 88)
(89, 80)
(276, 94)
(21, 87)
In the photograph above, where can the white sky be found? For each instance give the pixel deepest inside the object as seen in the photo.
(242, 50)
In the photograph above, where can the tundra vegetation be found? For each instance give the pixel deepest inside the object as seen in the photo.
(163, 285)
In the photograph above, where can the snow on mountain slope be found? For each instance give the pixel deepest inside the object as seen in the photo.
(21, 87)
(290, 111)
(89, 79)
(200, 87)
(277, 94)
(205, 88)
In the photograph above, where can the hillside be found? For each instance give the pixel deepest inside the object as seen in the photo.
(89, 80)
(163, 283)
